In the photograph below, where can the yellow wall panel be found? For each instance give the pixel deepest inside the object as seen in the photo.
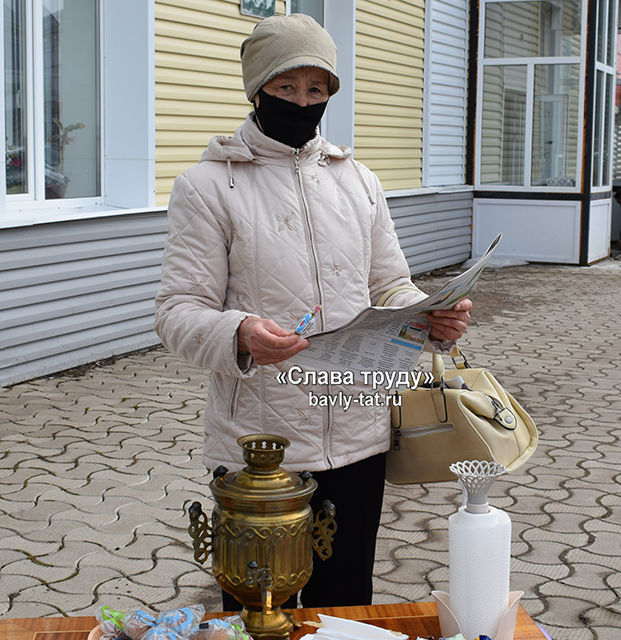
(402, 48)
(198, 86)
(175, 154)
(192, 33)
(194, 57)
(199, 92)
(370, 30)
(389, 90)
(189, 138)
(369, 83)
(392, 110)
(197, 108)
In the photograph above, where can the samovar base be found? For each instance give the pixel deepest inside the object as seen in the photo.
(275, 625)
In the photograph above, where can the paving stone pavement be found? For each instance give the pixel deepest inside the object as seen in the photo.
(99, 465)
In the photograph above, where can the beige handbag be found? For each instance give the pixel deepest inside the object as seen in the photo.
(464, 415)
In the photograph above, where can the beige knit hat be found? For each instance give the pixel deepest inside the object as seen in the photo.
(280, 43)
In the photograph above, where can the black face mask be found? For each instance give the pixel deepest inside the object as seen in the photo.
(286, 121)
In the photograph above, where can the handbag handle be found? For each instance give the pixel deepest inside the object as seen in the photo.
(437, 388)
(437, 363)
(437, 367)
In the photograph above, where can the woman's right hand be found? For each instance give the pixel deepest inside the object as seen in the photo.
(267, 342)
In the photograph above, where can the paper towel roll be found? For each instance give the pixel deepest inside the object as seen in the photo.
(479, 566)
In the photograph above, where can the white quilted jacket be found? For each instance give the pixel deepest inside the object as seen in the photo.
(258, 229)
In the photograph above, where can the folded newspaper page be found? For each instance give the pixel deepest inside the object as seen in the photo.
(386, 339)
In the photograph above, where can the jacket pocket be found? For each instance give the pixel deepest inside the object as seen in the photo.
(233, 400)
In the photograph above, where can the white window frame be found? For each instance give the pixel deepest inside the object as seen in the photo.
(608, 71)
(530, 63)
(337, 125)
(127, 77)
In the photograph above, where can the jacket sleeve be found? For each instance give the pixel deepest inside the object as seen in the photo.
(189, 314)
(389, 269)
(390, 273)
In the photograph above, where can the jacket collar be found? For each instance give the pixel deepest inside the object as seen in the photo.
(250, 144)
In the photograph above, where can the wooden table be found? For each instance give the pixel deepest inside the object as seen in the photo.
(414, 619)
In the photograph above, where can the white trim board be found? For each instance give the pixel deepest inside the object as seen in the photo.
(532, 230)
(445, 117)
(599, 230)
(340, 22)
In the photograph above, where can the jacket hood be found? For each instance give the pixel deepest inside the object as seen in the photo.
(250, 144)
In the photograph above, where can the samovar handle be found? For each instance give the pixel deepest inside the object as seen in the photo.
(200, 532)
(261, 578)
(324, 529)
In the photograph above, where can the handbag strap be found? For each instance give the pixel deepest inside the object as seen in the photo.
(438, 396)
(437, 363)
(387, 297)
(437, 367)
(456, 352)
(437, 388)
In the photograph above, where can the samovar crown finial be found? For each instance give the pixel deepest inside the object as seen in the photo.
(263, 452)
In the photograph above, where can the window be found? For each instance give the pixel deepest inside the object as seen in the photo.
(533, 28)
(530, 112)
(312, 8)
(16, 98)
(72, 147)
(604, 93)
(60, 156)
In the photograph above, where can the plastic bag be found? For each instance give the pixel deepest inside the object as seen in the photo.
(176, 624)
(110, 622)
(231, 628)
(137, 624)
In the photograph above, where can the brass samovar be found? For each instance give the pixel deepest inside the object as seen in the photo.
(262, 534)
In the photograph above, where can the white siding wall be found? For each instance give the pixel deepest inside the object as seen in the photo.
(434, 229)
(446, 88)
(75, 292)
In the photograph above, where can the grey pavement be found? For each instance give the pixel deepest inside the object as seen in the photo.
(98, 467)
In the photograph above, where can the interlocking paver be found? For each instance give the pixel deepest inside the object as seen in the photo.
(98, 468)
(45, 571)
(9, 588)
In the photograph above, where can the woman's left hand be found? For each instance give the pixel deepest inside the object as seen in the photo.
(450, 324)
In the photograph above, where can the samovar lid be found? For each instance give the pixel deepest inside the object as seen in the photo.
(262, 484)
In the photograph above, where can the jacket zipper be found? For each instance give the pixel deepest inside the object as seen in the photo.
(298, 174)
(309, 230)
(234, 397)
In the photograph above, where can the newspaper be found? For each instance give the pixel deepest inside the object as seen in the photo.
(386, 339)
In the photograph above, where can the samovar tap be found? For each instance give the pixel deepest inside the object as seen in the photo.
(261, 578)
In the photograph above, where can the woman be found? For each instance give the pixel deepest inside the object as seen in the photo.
(271, 223)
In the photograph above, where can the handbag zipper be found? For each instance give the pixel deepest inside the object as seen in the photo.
(425, 430)
(418, 432)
